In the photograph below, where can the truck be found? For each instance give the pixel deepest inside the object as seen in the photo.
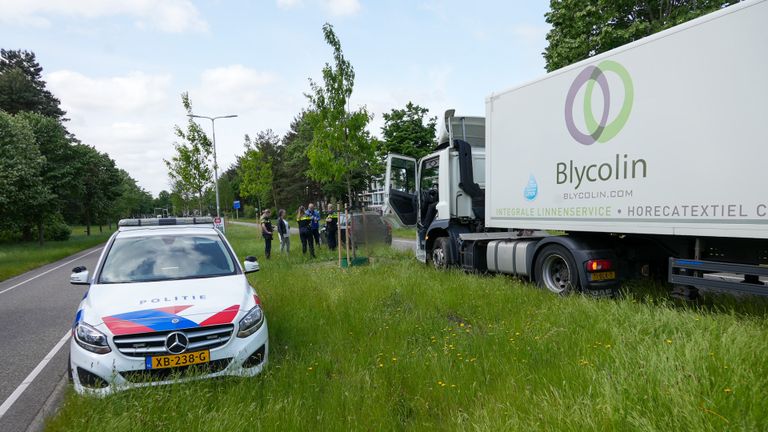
(649, 160)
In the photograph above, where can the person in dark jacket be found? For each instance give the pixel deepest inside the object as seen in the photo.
(266, 232)
(305, 231)
(315, 223)
(284, 232)
(331, 227)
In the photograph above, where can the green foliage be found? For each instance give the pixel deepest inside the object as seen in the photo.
(22, 87)
(133, 201)
(408, 132)
(257, 166)
(23, 193)
(297, 187)
(56, 229)
(99, 185)
(189, 169)
(341, 150)
(584, 28)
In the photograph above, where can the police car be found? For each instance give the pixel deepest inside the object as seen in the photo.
(168, 301)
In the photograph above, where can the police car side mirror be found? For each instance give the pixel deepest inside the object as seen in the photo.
(250, 264)
(79, 276)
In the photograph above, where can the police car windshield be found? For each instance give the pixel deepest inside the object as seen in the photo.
(158, 258)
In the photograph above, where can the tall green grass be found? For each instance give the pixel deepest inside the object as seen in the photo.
(395, 345)
(17, 258)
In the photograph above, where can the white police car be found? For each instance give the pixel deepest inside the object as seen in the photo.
(167, 301)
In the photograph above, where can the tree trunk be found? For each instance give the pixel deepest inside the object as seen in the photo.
(349, 192)
(40, 236)
(88, 223)
(101, 230)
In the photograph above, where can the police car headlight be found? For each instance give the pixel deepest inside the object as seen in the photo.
(251, 322)
(91, 339)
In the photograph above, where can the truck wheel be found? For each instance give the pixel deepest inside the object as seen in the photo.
(441, 254)
(556, 270)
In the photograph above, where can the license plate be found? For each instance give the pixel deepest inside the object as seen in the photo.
(601, 276)
(176, 360)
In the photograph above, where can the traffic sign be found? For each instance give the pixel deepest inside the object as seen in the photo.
(218, 223)
(236, 205)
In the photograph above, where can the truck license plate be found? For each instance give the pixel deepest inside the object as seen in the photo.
(602, 276)
(176, 360)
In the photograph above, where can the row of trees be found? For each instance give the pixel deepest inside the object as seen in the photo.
(48, 178)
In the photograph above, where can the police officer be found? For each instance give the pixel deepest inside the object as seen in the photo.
(315, 222)
(267, 231)
(331, 226)
(305, 231)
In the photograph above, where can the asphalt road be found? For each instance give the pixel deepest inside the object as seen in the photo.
(36, 313)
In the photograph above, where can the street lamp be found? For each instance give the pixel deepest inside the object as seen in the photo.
(215, 164)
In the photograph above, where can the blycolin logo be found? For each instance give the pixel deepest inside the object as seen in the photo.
(601, 131)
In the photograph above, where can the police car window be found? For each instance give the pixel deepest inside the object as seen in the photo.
(157, 258)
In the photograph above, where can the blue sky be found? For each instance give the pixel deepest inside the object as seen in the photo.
(119, 66)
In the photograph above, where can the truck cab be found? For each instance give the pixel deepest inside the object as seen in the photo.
(442, 194)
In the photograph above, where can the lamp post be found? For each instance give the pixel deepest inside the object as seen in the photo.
(215, 163)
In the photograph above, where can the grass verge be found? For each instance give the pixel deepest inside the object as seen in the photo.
(404, 233)
(395, 345)
(17, 258)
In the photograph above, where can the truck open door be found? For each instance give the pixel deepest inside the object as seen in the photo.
(400, 186)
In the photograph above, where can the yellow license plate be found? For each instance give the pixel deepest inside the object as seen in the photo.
(176, 360)
(601, 276)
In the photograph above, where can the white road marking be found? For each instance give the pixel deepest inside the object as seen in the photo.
(48, 271)
(32, 375)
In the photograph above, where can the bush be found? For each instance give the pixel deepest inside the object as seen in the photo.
(56, 229)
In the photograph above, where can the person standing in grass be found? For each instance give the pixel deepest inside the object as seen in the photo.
(284, 232)
(266, 232)
(315, 222)
(305, 231)
(331, 226)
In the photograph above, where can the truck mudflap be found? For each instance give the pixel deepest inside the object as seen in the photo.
(744, 278)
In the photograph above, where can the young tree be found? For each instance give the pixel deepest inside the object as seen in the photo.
(341, 149)
(408, 132)
(190, 169)
(584, 28)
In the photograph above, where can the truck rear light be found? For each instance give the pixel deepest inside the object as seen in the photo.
(599, 265)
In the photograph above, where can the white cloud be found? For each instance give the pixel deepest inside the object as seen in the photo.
(173, 16)
(133, 92)
(236, 87)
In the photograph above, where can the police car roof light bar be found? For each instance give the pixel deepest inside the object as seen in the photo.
(165, 221)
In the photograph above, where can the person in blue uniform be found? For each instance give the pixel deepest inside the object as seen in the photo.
(305, 232)
(315, 223)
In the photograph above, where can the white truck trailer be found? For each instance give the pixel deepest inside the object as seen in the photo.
(650, 158)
